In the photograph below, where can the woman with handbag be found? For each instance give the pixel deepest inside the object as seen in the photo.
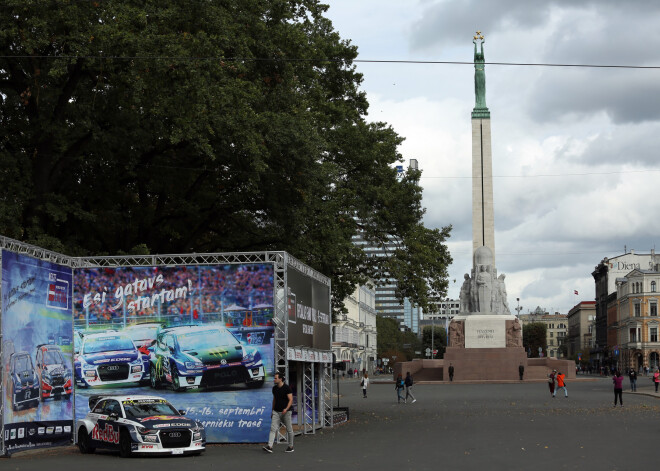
(551, 382)
(364, 383)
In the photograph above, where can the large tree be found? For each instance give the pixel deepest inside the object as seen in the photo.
(136, 126)
(534, 337)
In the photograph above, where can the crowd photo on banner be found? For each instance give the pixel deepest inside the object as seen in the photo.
(199, 336)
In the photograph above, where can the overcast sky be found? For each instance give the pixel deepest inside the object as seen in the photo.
(574, 149)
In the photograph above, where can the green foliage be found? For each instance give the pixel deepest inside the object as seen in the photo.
(439, 340)
(393, 342)
(175, 127)
(534, 336)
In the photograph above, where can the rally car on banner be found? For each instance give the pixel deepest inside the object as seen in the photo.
(24, 381)
(138, 424)
(110, 358)
(54, 376)
(203, 356)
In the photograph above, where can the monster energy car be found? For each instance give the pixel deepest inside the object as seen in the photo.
(110, 358)
(24, 381)
(138, 424)
(204, 356)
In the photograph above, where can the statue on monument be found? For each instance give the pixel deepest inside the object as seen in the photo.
(480, 73)
(484, 292)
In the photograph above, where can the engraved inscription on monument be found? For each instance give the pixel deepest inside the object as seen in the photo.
(485, 332)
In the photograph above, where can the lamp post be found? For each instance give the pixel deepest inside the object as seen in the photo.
(518, 308)
(432, 332)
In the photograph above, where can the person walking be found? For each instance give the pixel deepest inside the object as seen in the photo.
(633, 379)
(451, 372)
(618, 387)
(365, 384)
(282, 403)
(656, 379)
(551, 382)
(521, 371)
(399, 385)
(561, 383)
(409, 383)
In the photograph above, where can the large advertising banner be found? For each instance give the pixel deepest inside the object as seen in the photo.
(37, 353)
(308, 311)
(199, 336)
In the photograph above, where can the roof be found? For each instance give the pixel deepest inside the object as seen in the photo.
(104, 334)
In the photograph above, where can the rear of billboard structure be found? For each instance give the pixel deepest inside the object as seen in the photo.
(205, 331)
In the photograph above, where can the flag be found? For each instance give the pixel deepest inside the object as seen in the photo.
(575, 291)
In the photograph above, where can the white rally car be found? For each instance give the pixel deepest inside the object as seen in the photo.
(138, 424)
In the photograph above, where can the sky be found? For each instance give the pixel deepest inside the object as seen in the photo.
(574, 148)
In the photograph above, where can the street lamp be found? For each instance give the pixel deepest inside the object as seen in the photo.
(519, 307)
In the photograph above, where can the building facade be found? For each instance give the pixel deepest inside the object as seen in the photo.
(581, 324)
(354, 336)
(605, 275)
(556, 330)
(636, 327)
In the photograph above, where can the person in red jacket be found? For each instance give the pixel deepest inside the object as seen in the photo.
(561, 384)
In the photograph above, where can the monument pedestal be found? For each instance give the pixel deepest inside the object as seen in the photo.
(485, 363)
(485, 347)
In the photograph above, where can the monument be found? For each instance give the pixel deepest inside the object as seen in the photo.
(485, 340)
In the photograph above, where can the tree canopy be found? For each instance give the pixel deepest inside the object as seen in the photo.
(203, 126)
(534, 337)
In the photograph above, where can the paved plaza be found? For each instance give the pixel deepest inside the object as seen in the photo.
(512, 426)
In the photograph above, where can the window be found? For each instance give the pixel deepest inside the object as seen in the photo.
(552, 334)
(653, 334)
(653, 308)
(633, 334)
(638, 310)
(653, 287)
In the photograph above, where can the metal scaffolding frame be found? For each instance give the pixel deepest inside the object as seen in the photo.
(309, 407)
(280, 260)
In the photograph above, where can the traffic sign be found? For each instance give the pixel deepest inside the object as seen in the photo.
(435, 352)
(428, 351)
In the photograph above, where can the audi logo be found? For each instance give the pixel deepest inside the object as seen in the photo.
(112, 368)
(175, 434)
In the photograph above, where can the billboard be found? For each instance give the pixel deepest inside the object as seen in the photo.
(308, 306)
(199, 336)
(37, 353)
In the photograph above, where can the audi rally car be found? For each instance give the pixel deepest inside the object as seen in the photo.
(110, 358)
(138, 424)
(54, 376)
(204, 356)
(24, 381)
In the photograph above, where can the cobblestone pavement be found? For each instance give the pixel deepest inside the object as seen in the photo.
(512, 426)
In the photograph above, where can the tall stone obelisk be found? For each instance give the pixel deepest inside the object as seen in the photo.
(483, 221)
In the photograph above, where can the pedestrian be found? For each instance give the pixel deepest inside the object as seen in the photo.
(618, 387)
(409, 383)
(633, 379)
(365, 384)
(451, 372)
(656, 379)
(282, 403)
(399, 385)
(521, 371)
(561, 383)
(551, 382)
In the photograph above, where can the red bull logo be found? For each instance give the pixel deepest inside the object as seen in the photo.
(108, 434)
